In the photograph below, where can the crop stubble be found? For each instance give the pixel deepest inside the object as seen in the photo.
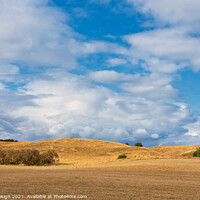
(141, 179)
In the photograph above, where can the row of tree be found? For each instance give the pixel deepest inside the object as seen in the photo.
(27, 157)
(8, 140)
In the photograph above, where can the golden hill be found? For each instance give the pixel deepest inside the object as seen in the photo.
(85, 151)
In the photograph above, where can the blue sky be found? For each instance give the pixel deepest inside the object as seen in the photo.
(116, 70)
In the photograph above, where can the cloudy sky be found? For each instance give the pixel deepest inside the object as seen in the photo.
(115, 70)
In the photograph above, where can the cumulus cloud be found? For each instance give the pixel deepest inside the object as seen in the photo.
(169, 11)
(31, 33)
(55, 103)
(73, 107)
(159, 47)
(11, 101)
(174, 47)
(193, 129)
(69, 105)
(153, 86)
(36, 34)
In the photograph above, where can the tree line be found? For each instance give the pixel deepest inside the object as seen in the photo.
(8, 140)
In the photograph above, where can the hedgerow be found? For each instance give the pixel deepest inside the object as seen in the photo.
(8, 140)
(27, 157)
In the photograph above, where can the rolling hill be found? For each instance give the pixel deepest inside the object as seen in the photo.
(86, 151)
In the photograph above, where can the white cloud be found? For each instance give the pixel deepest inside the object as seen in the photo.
(7, 71)
(153, 86)
(109, 76)
(162, 66)
(35, 34)
(66, 105)
(31, 33)
(193, 128)
(2, 86)
(178, 45)
(57, 103)
(165, 46)
(98, 47)
(116, 62)
(140, 133)
(110, 36)
(169, 11)
(155, 136)
(164, 51)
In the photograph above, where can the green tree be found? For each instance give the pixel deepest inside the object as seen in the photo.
(197, 153)
(138, 144)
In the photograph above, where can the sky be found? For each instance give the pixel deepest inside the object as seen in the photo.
(114, 70)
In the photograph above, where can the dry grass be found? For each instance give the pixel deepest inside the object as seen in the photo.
(84, 151)
(97, 173)
(128, 180)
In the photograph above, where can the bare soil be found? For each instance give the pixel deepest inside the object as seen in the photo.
(137, 179)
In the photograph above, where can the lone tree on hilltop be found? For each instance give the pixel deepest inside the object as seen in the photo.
(138, 144)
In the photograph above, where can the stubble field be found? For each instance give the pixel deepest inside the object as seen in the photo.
(139, 179)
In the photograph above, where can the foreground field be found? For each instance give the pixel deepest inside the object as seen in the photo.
(139, 179)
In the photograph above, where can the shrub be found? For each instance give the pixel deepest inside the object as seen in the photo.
(122, 156)
(31, 157)
(27, 157)
(4, 158)
(49, 157)
(197, 153)
(127, 143)
(138, 144)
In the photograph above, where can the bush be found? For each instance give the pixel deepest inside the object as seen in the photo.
(127, 143)
(31, 157)
(138, 144)
(122, 156)
(49, 157)
(27, 157)
(197, 153)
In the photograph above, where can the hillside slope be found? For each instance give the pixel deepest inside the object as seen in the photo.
(85, 151)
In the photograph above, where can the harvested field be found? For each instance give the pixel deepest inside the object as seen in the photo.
(139, 179)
